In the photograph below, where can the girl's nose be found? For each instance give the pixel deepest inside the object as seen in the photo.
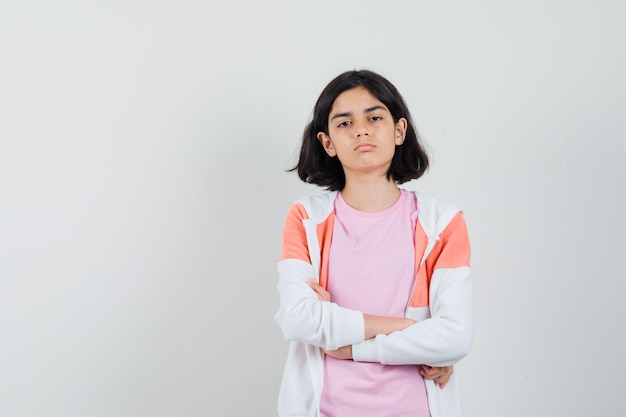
(361, 130)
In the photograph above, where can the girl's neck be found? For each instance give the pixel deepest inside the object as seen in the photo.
(371, 196)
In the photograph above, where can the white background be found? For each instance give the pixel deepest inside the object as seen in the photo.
(143, 148)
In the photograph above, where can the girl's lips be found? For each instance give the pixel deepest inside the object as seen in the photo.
(364, 147)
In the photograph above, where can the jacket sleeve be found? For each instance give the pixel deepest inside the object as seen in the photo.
(301, 316)
(446, 336)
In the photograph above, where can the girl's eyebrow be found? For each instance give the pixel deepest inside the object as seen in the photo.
(369, 109)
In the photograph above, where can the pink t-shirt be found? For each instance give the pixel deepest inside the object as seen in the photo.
(371, 268)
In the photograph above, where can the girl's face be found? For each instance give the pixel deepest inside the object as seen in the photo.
(362, 133)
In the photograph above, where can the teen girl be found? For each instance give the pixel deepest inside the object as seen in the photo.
(374, 281)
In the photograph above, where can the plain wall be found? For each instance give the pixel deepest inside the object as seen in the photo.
(143, 149)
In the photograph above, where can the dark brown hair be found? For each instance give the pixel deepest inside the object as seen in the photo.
(315, 166)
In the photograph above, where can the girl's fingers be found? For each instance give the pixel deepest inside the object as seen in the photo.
(429, 372)
(322, 294)
(440, 375)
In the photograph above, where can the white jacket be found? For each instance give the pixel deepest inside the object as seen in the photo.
(441, 302)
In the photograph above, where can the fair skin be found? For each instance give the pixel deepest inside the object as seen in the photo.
(363, 136)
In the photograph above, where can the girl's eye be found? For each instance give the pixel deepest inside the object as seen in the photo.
(375, 118)
(345, 123)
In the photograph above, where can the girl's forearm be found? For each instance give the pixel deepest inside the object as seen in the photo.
(375, 325)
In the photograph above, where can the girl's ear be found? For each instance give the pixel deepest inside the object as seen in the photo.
(327, 144)
(401, 125)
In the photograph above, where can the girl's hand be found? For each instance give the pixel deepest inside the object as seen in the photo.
(341, 353)
(322, 294)
(440, 375)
